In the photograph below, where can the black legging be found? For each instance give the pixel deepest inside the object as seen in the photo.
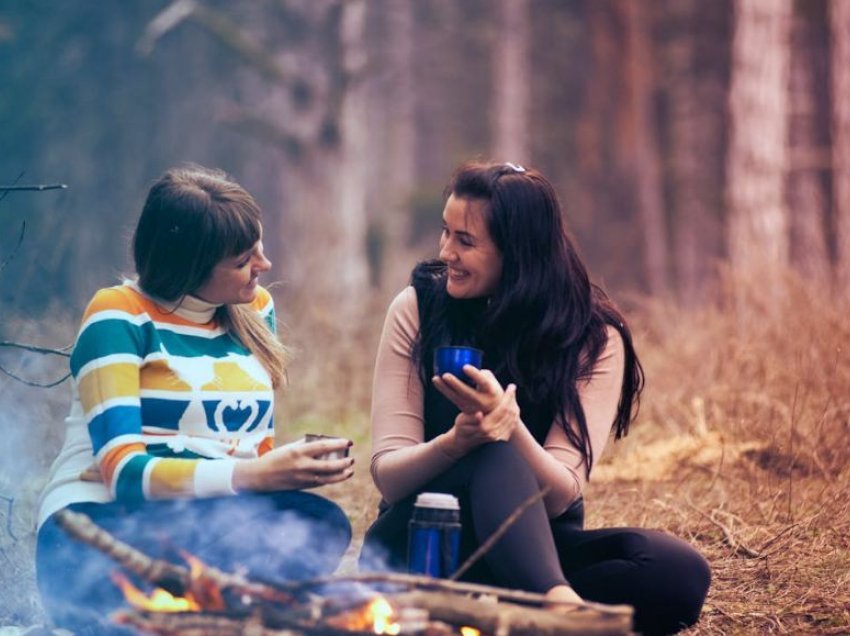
(663, 578)
(275, 536)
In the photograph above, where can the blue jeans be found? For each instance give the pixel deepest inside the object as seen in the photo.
(275, 536)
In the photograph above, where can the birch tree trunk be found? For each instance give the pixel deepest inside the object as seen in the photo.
(511, 82)
(807, 194)
(756, 161)
(839, 18)
(642, 142)
(695, 62)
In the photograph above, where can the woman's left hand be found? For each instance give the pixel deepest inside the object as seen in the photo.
(484, 396)
(470, 430)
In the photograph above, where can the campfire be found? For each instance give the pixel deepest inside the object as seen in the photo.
(198, 599)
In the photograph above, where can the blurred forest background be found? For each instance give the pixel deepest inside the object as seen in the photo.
(702, 154)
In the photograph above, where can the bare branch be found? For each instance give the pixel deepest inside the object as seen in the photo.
(36, 349)
(234, 37)
(33, 188)
(38, 385)
(16, 248)
(485, 547)
(164, 22)
(11, 502)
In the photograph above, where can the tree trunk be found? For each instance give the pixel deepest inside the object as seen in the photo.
(511, 78)
(807, 195)
(758, 220)
(392, 142)
(839, 19)
(641, 139)
(695, 63)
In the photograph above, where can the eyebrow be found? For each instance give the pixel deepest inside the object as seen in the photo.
(463, 232)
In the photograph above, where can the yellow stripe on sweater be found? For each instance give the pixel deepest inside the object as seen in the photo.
(172, 478)
(109, 382)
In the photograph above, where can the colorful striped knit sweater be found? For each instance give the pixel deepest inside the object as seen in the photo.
(167, 401)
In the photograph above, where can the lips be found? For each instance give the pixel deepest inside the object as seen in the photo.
(457, 274)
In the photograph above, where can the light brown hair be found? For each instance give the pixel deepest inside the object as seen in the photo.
(193, 218)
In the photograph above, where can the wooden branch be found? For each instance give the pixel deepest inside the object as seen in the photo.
(175, 579)
(513, 620)
(15, 249)
(38, 385)
(485, 547)
(37, 349)
(730, 539)
(10, 504)
(421, 582)
(232, 36)
(163, 22)
(33, 188)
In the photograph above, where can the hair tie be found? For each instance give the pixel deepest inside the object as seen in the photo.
(514, 166)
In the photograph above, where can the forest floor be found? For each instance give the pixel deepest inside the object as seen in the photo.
(742, 448)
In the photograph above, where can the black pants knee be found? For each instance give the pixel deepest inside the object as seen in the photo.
(490, 483)
(663, 578)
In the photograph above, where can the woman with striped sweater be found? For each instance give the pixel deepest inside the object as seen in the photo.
(170, 440)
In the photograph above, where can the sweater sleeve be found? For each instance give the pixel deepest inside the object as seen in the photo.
(558, 463)
(113, 343)
(401, 459)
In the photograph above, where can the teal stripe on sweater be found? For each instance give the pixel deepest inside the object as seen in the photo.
(113, 336)
(129, 486)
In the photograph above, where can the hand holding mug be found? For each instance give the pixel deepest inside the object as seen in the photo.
(295, 466)
(470, 430)
(484, 396)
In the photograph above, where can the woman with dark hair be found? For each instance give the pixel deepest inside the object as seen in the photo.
(560, 373)
(170, 442)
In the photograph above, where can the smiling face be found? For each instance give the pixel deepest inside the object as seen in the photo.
(234, 279)
(474, 262)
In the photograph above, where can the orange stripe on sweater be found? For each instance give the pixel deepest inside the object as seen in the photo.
(110, 460)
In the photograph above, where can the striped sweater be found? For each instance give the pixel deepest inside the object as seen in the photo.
(166, 398)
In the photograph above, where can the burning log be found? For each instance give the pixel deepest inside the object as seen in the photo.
(516, 620)
(228, 604)
(205, 586)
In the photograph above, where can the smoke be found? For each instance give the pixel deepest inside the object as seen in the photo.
(32, 427)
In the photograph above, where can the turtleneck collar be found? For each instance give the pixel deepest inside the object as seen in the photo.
(191, 308)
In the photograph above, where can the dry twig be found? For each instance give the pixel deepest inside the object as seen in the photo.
(498, 533)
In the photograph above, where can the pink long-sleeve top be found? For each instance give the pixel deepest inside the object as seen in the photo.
(402, 461)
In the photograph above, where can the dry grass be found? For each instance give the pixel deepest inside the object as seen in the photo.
(741, 448)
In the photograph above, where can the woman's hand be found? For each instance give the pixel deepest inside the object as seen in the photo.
(294, 467)
(484, 396)
(470, 430)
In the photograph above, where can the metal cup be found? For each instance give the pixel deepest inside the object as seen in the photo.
(450, 359)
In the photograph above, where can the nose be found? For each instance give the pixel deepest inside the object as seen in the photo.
(447, 254)
(262, 264)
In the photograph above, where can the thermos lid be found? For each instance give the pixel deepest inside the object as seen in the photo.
(439, 500)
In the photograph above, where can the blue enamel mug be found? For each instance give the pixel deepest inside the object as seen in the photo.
(451, 360)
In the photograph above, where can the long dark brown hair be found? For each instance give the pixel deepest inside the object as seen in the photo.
(193, 218)
(545, 325)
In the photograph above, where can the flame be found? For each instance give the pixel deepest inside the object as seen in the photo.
(203, 594)
(157, 601)
(377, 616)
(469, 631)
(381, 613)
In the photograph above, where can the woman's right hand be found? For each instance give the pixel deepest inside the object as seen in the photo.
(471, 430)
(294, 467)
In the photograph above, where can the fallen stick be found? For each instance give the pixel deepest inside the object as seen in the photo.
(175, 579)
(417, 581)
(514, 620)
